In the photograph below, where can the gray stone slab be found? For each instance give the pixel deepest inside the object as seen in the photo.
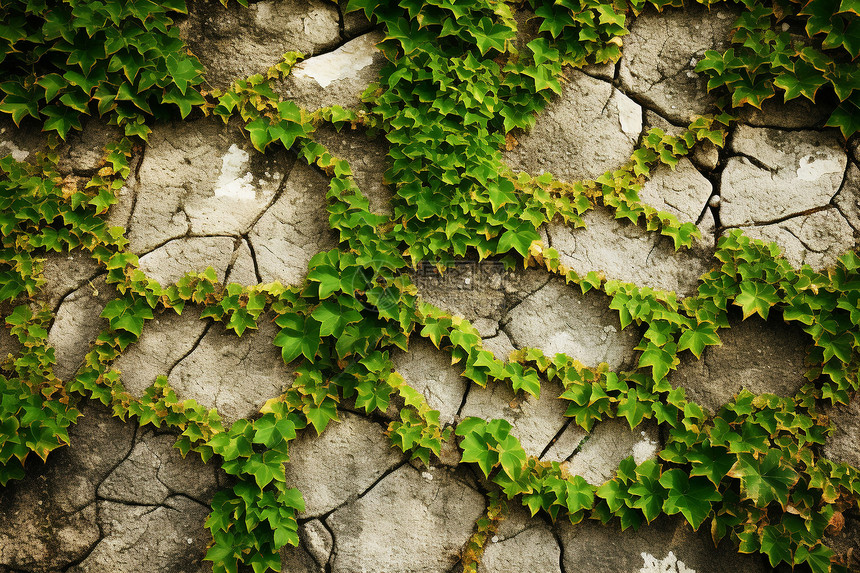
(338, 77)
(667, 545)
(661, 53)
(817, 239)
(535, 422)
(49, 518)
(202, 178)
(64, 273)
(609, 442)
(429, 518)
(165, 340)
(430, 372)
(500, 345)
(233, 41)
(137, 536)
(296, 559)
(746, 359)
(559, 319)
(683, 192)
(788, 173)
(293, 229)
(629, 253)
(171, 261)
(236, 375)
(340, 464)
(590, 129)
(77, 324)
(155, 470)
(798, 113)
(534, 549)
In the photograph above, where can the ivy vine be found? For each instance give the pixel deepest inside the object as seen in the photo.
(454, 88)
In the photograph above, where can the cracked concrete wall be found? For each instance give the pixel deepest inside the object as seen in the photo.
(120, 497)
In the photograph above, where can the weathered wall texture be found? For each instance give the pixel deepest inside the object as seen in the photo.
(121, 499)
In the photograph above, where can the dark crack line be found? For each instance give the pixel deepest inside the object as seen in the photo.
(135, 190)
(463, 401)
(802, 242)
(817, 127)
(324, 516)
(505, 320)
(175, 494)
(333, 553)
(89, 549)
(842, 184)
(782, 219)
(193, 348)
(280, 191)
(558, 542)
(327, 566)
(845, 216)
(129, 503)
(161, 244)
(63, 298)
(253, 258)
(646, 105)
(124, 458)
(756, 162)
(514, 342)
(555, 438)
(340, 23)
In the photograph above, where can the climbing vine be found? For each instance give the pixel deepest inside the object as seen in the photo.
(456, 85)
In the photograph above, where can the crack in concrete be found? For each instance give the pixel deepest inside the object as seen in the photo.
(505, 320)
(101, 536)
(558, 541)
(783, 218)
(647, 105)
(756, 163)
(463, 400)
(802, 242)
(555, 438)
(134, 188)
(324, 516)
(253, 258)
(193, 348)
(277, 195)
(63, 298)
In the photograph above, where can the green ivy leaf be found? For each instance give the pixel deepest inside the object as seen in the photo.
(689, 496)
(696, 338)
(764, 479)
(756, 297)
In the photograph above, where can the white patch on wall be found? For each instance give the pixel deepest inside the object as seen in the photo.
(811, 167)
(16, 152)
(670, 564)
(644, 449)
(629, 114)
(231, 182)
(343, 63)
